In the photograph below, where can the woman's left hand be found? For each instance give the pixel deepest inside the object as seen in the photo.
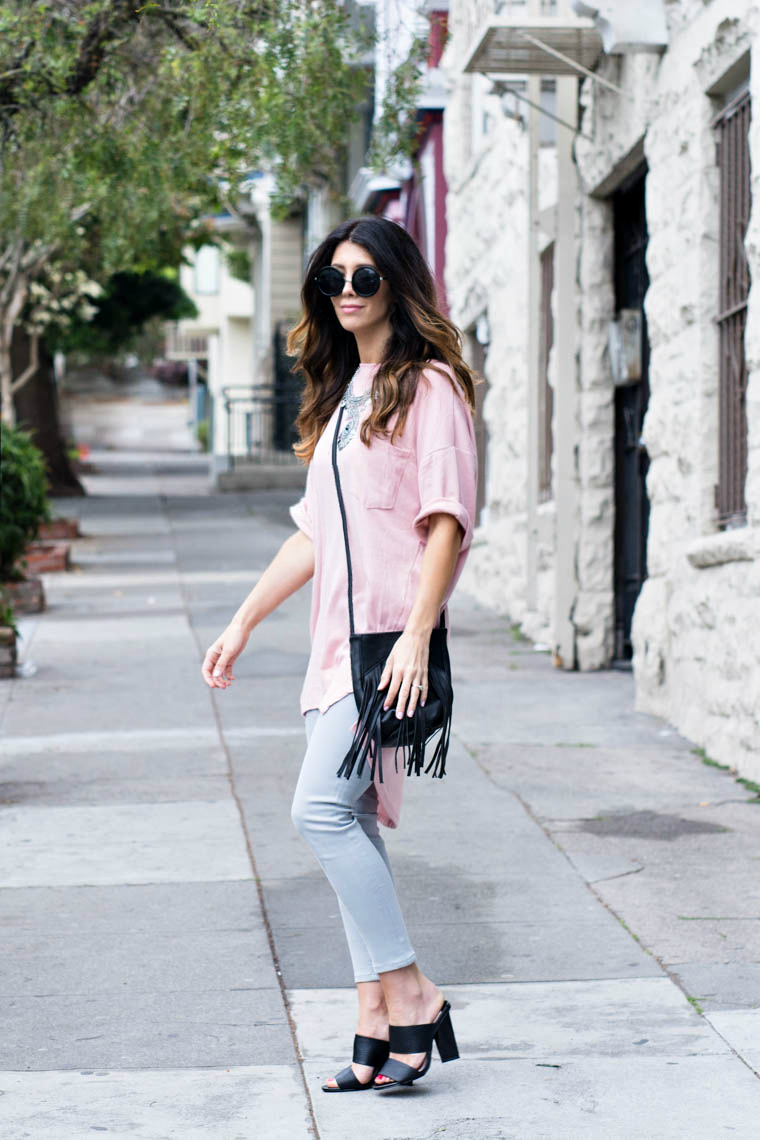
(406, 668)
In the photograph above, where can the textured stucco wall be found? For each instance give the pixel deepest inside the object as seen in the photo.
(486, 258)
(696, 659)
(693, 660)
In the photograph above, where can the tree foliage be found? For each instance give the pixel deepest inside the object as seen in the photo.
(120, 120)
(128, 301)
(125, 123)
(395, 133)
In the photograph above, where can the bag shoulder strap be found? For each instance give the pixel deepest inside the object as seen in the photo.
(442, 622)
(343, 519)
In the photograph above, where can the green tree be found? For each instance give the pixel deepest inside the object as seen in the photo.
(125, 123)
(127, 302)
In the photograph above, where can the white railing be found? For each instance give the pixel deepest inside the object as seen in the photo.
(472, 18)
(187, 344)
(474, 15)
(259, 425)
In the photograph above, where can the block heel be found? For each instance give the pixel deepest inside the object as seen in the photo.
(445, 1039)
(418, 1039)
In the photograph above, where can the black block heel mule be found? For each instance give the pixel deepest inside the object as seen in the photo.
(418, 1039)
(371, 1051)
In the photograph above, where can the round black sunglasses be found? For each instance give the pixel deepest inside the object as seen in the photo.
(365, 281)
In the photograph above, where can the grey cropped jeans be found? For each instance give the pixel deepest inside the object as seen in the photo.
(338, 818)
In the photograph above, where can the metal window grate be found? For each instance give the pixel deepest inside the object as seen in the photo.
(733, 160)
(545, 393)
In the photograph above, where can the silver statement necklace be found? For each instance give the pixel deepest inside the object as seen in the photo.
(352, 404)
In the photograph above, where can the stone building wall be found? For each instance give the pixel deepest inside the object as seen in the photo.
(693, 662)
(487, 274)
(696, 659)
(537, 618)
(486, 255)
(593, 617)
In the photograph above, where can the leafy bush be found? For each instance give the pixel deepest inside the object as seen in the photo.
(23, 496)
(239, 264)
(202, 433)
(7, 613)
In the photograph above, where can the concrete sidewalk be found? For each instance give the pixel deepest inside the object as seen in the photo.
(585, 889)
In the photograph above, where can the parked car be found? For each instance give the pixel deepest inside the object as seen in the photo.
(169, 371)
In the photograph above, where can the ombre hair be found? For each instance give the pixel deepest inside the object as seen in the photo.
(421, 336)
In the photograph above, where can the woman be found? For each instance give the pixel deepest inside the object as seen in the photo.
(372, 334)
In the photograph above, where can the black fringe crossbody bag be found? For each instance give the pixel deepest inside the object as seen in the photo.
(376, 727)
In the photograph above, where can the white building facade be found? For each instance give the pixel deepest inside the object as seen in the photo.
(236, 343)
(602, 269)
(217, 343)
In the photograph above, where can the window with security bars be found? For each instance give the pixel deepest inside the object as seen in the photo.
(732, 126)
(545, 393)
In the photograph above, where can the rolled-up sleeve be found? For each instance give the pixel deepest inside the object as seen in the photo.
(447, 464)
(300, 513)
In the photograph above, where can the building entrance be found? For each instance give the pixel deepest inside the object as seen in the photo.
(631, 459)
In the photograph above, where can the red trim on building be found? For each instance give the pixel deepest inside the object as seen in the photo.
(439, 20)
(407, 206)
(441, 190)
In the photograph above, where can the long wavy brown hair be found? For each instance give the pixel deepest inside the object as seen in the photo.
(421, 336)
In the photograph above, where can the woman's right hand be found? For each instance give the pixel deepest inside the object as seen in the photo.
(221, 656)
(291, 567)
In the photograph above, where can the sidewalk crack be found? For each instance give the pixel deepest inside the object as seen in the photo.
(230, 773)
(622, 875)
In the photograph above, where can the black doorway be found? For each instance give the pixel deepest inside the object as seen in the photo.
(631, 459)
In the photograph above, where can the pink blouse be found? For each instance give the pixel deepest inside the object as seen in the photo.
(389, 490)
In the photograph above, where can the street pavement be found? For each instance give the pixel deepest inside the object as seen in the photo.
(583, 887)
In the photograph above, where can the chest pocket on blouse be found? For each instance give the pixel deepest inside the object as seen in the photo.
(379, 475)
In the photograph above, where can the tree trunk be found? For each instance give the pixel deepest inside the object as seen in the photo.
(6, 380)
(12, 297)
(36, 405)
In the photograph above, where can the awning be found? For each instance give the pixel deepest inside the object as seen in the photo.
(545, 47)
(367, 187)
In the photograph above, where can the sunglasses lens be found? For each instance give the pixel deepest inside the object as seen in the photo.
(366, 281)
(329, 281)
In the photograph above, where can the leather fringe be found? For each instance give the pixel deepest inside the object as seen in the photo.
(409, 734)
(438, 682)
(367, 741)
